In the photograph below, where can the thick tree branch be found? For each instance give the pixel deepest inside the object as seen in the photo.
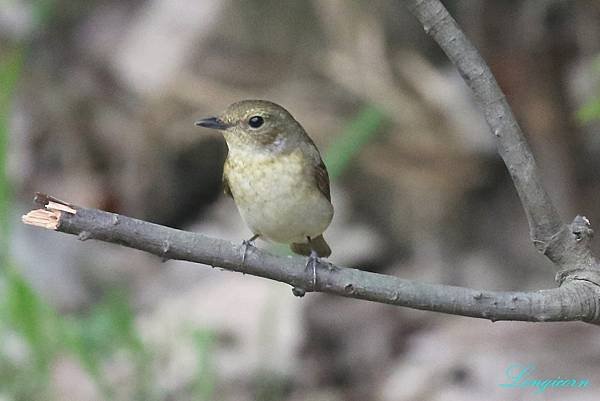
(548, 233)
(569, 302)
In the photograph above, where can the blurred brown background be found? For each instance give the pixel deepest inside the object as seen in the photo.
(102, 115)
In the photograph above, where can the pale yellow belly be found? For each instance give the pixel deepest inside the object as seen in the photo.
(277, 200)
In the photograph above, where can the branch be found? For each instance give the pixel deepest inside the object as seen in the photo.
(569, 302)
(548, 233)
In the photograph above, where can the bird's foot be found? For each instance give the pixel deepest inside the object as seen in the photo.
(311, 265)
(313, 261)
(246, 244)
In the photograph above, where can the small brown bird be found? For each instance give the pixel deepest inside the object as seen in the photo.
(276, 176)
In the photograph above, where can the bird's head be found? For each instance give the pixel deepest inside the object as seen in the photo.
(257, 124)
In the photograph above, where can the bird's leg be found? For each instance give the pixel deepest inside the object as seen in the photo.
(247, 243)
(313, 260)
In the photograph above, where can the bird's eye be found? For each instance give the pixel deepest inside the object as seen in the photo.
(256, 121)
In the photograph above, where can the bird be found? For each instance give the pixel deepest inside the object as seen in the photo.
(276, 177)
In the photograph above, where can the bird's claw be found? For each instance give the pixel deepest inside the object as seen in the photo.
(246, 244)
(313, 261)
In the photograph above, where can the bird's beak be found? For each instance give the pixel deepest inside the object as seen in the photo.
(212, 122)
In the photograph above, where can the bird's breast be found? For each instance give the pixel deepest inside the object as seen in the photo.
(277, 195)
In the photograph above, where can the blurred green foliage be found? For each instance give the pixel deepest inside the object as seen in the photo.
(590, 111)
(10, 70)
(204, 385)
(359, 131)
(94, 340)
(107, 330)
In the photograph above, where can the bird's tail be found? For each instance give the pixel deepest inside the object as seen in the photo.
(318, 244)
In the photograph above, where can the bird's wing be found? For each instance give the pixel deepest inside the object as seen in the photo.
(319, 170)
(226, 188)
(322, 177)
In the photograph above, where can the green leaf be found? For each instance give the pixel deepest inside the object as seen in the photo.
(361, 129)
(589, 112)
(10, 71)
(204, 384)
